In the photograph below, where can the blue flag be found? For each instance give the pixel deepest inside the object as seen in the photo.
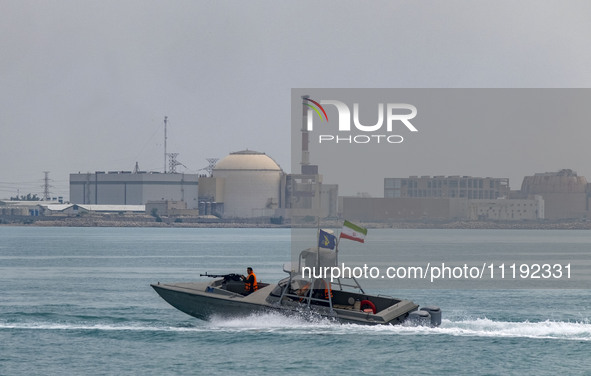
(326, 240)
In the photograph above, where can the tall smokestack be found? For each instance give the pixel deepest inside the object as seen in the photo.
(305, 134)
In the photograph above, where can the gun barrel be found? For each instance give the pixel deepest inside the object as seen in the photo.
(226, 277)
(214, 275)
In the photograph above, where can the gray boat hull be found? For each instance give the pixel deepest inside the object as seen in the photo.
(194, 300)
(203, 300)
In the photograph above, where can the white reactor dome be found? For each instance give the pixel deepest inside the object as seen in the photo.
(252, 184)
(247, 160)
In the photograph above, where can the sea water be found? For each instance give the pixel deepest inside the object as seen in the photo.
(77, 301)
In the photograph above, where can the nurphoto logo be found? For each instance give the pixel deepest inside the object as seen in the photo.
(394, 114)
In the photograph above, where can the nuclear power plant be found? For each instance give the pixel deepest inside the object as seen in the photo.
(244, 184)
(249, 184)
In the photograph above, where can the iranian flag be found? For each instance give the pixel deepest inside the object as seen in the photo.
(353, 232)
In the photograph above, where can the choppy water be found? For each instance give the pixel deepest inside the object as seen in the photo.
(77, 301)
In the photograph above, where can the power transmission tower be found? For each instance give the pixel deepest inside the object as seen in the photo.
(46, 186)
(172, 162)
(210, 167)
(165, 123)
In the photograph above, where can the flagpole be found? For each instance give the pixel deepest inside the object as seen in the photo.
(336, 249)
(318, 226)
(317, 242)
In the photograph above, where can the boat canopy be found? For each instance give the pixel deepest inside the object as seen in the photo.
(317, 258)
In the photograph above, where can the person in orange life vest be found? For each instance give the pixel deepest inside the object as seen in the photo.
(250, 282)
(322, 289)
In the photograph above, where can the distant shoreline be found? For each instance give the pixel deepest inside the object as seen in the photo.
(148, 221)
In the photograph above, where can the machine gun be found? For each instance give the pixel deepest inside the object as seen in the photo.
(226, 277)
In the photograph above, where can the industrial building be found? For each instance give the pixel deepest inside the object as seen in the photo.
(566, 195)
(447, 187)
(307, 196)
(20, 208)
(244, 184)
(47, 208)
(169, 208)
(507, 210)
(444, 198)
(441, 209)
(250, 184)
(133, 188)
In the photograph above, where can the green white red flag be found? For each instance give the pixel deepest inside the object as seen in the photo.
(353, 232)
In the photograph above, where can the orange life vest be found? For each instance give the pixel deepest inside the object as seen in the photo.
(247, 285)
(327, 289)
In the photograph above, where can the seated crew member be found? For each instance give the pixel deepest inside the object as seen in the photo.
(322, 289)
(250, 282)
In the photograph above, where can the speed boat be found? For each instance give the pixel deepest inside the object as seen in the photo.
(342, 300)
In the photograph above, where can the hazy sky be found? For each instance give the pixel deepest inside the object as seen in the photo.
(85, 85)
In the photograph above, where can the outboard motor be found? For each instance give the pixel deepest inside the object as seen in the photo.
(419, 318)
(435, 313)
